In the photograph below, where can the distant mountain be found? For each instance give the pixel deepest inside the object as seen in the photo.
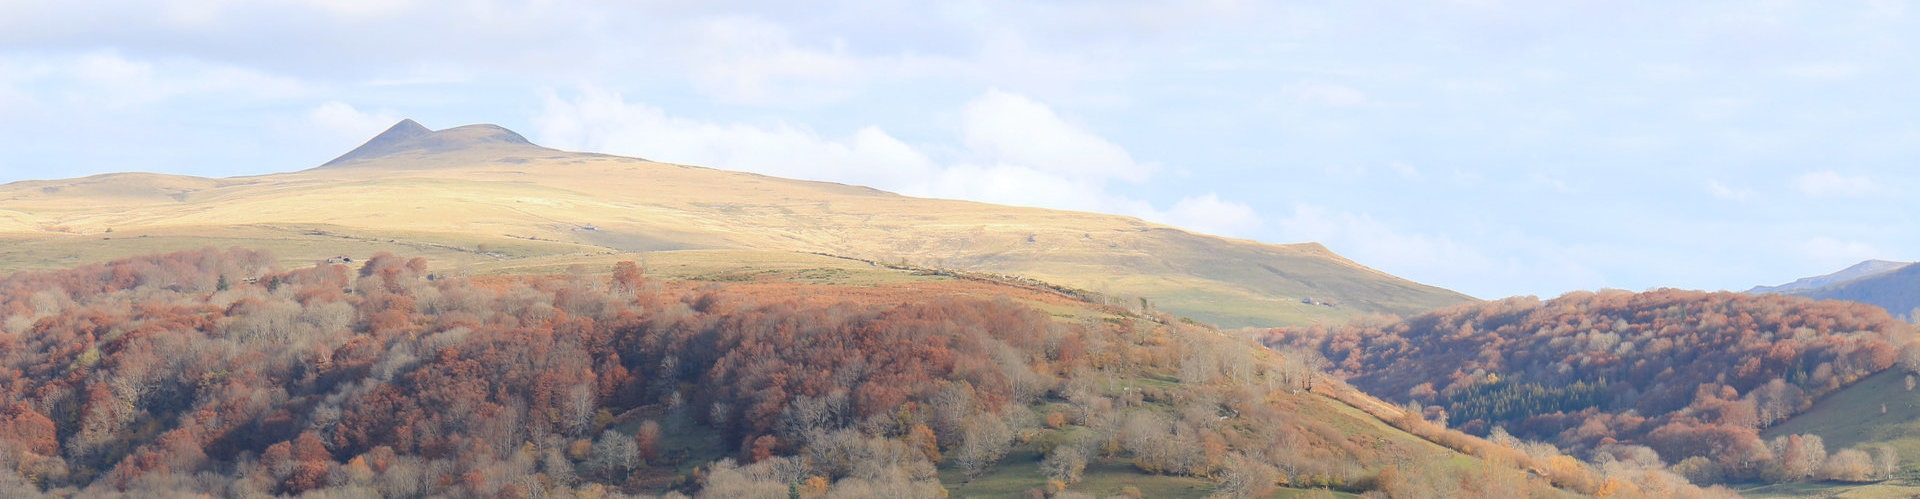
(409, 136)
(483, 199)
(1897, 291)
(1894, 286)
(385, 143)
(1860, 270)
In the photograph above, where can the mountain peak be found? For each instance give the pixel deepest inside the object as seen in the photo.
(405, 129)
(408, 135)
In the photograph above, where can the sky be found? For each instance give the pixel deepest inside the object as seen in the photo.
(1491, 147)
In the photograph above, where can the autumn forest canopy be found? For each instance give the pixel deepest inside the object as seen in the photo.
(215, 372)
(1686, 378)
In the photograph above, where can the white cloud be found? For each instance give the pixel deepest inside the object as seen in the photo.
(1209, 214)
(1406, 171)
(216, 14)
(423, 74)
(601, 121)
(1716, 108)
(1487, 268)
(1723, 191)
(1019, 185)
(1830, 252)
(1466, 178)
(1019, 152)
(1325, 94)
(1823, 71)
(78, 112)
(359, 9)
(106, 80)
(1363, 239)
(1011, 128)
(342, 121)
(1550, 182)
(749, 61)
(1889, 9)
(1828, 183)
(1347, 170)
(1360, 171)
(14, 74)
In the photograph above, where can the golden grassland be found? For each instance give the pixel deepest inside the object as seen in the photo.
(492, 207)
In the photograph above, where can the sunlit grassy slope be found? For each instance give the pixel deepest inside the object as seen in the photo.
(835, 279)
(1878, 410)
(1854, 416)
(1110, 476)
(478, 198)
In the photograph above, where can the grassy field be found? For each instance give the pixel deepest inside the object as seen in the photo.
(1834, 490)
(684, 446)
(295, 246)
(1020, 471)
(1878, 410)
(719, 266)
(1107, 476)
(1104, 477)
(495, 208)
(1014, 475)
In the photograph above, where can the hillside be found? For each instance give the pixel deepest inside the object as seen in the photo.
(481, 199)
(1897, 291)
(1881, 410)
(217, 373)
(1862, 270)
(1878, 410)
(1683, 374)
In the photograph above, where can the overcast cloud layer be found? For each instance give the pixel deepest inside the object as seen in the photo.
(1490, 147)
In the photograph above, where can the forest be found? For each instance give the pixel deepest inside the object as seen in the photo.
(214, 372)
(1687, 378)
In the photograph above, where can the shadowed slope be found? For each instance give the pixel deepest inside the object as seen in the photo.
(408, 136)
(1894, 286)
(1897, 291)
(383, 144)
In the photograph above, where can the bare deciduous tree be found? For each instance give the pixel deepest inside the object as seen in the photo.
(1064, 463)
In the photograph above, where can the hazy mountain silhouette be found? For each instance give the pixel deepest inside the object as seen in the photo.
(1860, 270)
(410, 136)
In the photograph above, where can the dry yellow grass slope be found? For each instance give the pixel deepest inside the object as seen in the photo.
(482, 194)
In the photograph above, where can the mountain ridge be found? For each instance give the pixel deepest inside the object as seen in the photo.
(383, 143)
(409, 136)
(1865, 269)
(1897, 291)
(484, 195)
(1890, 285)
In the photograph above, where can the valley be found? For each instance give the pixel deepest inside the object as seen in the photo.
(882, 382)
(539, 249)
(1112, 363)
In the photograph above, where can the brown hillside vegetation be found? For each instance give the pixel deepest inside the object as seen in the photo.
(482, 196)
(1690, 375)
(213, 372)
